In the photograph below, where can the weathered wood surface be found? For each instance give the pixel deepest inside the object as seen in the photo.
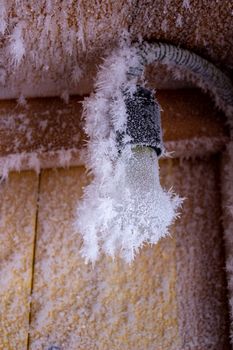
(49, 133)
(170, 286)
(18, 207)
(61, 43)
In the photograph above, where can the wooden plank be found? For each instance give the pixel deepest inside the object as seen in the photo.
(188, 114)
(227, 207)
(49, 133)
(202, 301)
(170, 286)
(17, 231)
(48, 124)
(109, 306)
(66, 45)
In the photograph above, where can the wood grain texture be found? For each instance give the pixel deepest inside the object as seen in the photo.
(174, 294)
(17, 231)
(227, 205)
(51, 124)
(109, 306)
(65, 42)
(200, 256)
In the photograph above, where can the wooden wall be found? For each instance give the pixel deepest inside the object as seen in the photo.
(173, 297)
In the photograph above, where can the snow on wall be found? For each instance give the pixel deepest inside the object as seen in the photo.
(42, 43)
(40, 160)
(56, 40)
(39, 136)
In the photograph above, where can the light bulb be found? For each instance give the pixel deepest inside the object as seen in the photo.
(143, 210)
(125, 207)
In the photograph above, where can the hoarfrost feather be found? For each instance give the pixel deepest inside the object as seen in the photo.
(17, 47)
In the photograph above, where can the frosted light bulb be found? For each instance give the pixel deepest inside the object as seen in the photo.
(124, 206)
(143, 209)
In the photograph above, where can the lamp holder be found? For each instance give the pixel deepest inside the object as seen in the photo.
(143, 126)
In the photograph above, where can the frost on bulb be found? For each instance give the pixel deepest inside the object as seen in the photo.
(143, 209)
(131, 208)
(124, 206)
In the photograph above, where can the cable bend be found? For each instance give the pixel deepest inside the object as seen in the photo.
(193, 67)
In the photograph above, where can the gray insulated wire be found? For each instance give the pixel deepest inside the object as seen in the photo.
(203, 73)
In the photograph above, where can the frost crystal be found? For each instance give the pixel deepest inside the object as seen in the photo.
(124, 206)
(179, 21)
(186, 4)
(3, 23)
(17, 47)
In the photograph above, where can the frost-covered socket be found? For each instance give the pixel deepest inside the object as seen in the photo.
(143, 122)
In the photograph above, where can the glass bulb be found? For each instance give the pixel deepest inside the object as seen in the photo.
(143, 209)
(124, 211)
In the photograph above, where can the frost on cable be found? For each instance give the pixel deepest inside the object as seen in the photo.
(124, 206)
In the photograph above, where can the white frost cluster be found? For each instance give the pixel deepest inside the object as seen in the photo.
(186, 4)
(17, 46)
(124, 206)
